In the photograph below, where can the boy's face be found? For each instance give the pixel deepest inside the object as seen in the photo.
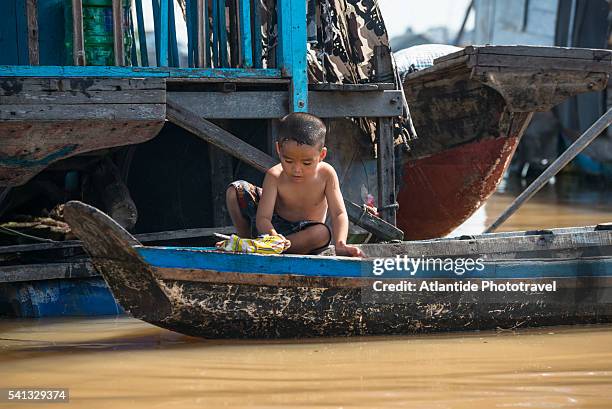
(299, 162)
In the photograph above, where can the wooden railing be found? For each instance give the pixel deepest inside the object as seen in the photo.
(224, 41)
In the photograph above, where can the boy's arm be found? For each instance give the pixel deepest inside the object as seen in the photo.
(339, 217)
(265, 209)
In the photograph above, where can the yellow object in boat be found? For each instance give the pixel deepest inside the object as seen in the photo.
(265, 244)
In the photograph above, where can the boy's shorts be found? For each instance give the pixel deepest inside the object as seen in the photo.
(248, 200)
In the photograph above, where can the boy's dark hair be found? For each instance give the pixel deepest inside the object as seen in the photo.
(303, 128)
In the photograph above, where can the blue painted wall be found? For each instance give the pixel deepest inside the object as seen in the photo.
(14, 32)
(51, 32)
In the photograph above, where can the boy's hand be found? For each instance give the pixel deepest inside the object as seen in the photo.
(287, 243)
(348, 250)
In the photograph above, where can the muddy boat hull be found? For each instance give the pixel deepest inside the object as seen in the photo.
(206, 293)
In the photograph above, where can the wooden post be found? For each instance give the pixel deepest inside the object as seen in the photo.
(202, 41)
(32, 11)
(385, 163)
(246, 51)
(292, 42)
(385, 168)
(163, 33)
(221, 175)
(222, 30)
(257, 63)
(118, 33)
(78, 43)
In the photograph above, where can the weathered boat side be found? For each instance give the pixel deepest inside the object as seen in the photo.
(202, 292)
(45, 120)
(471, 109)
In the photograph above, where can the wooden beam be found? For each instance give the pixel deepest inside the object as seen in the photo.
(78, 42)
(179, 114)
(118, 33)
(32, 11)
(213, 74)
(324, 104)
(187, 119)
(385, 170)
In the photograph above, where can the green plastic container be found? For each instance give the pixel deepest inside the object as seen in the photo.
(98, 32)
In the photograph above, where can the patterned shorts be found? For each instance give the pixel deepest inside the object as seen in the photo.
(248, 200)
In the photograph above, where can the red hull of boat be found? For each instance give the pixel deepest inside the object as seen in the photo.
(440, 192)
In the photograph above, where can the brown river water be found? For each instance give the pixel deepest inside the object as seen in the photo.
(125, 363)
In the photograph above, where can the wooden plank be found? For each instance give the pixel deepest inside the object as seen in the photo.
(163, 33)
(89, 97)
(323, 104)
(246, 50)
(137, 72)
(33, 52)
(78, 42)
(142, 35)
(173, 46)
(257, 27)
(327, 86)
(118, 47)
(222, 30)
(142, 112)
(532, 51)
(12, 86)
(202, 37)
(532, 246)
(192, 26)
(156, 28)
(37, 272)
(543, 63)
(215, 34)
(292, 43)
(234, 33)
(185, 118)
(592, 54)
(143, 238)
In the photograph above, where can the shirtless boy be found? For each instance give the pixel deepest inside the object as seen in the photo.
(297, 193)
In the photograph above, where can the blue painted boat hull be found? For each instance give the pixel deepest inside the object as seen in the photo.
(205, 293)
(58, 298)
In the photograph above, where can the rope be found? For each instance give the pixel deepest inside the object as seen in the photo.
(17, 233)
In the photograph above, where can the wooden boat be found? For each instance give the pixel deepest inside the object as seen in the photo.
(470, 110)
(206, 293)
